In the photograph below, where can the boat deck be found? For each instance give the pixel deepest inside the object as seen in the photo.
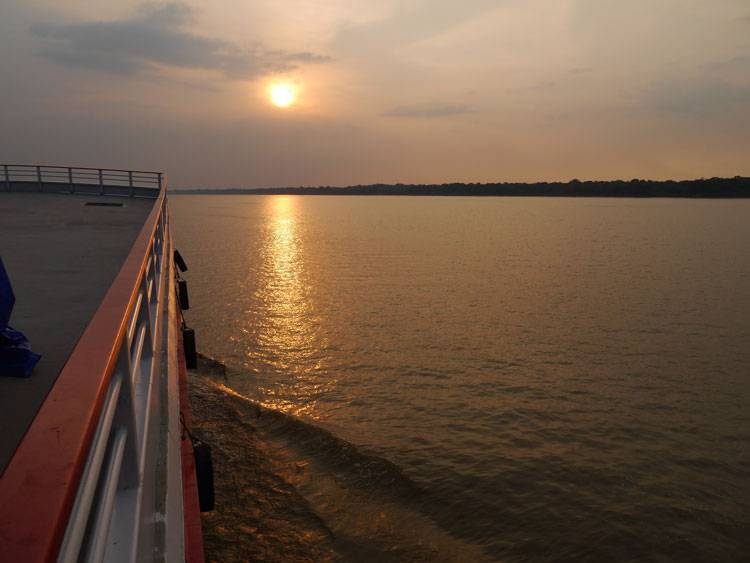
(62, 256)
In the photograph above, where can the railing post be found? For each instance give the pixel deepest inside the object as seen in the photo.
(70, 180)
(39, 177)
(159, 174)
(101, 183)
(130, 183)
(7, 177)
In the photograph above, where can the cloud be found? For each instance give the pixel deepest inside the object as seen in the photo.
(429, 111)
(736, 66)
(156, 36)
(543, 86)
(718, 88)
(410, 22)
(699, 98)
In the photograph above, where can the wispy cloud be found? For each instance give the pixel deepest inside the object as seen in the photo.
(698, 98)
(157, 36)
(737, 66)
(410, 22)
(543, 86)
(429, 111)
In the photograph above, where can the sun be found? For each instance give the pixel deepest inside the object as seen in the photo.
(282, 94)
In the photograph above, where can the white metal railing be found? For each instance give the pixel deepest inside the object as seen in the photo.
(107, 181)
(109, 517)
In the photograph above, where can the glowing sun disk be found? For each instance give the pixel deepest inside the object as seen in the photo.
(282, 95)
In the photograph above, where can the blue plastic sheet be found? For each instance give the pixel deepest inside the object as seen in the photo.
(7, 299)
(16, 356)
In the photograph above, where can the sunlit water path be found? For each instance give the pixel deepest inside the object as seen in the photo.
(561, 377)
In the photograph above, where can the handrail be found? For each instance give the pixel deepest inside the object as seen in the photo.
(42, 488)
(110, 181)
(86, 168)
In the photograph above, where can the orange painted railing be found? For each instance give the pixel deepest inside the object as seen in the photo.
(46, 483)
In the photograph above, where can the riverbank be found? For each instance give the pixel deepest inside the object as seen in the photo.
(736, 187)
(289, 491)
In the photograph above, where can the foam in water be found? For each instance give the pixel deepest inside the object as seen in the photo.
(287, 489)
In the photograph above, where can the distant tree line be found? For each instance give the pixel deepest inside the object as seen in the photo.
(737, 187)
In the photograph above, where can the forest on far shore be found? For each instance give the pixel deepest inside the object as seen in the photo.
(737, 187)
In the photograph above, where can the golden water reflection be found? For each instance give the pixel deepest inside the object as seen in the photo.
(289, 334)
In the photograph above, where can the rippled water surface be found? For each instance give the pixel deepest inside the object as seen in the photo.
(561, 377)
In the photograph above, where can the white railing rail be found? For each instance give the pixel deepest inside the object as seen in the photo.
(108, 181)
(109, 517)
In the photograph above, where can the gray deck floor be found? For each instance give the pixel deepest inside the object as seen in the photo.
(61, 257)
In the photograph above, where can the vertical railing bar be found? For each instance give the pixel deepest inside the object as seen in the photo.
(133, 369)
(154, 302)
(149, 265)
(136, 365)
(158, 245)
(144, 313)
(132, 415)
(70, 180)
(90, 478)
(130, 182)
(146, 380)
(158, 275)
(134, 319)
(39, 177)
(7, 177)
(101, 183)
(105, 509)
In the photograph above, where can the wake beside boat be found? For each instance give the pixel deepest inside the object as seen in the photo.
(289, 490)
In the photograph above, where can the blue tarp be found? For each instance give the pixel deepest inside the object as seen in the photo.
(16, 357)
(7, 299)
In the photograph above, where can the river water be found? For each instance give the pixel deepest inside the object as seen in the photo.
(558, 377)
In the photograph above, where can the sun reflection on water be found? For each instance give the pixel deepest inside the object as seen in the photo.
(288, 336)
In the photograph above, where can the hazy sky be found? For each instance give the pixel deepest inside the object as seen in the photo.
(387, 91)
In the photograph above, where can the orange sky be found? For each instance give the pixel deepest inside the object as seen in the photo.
(409, 91)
